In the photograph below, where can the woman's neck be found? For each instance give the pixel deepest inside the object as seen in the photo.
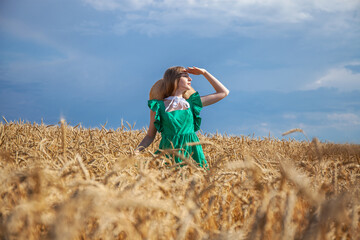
(178, 93)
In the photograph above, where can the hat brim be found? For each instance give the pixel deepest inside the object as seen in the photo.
(157, 91)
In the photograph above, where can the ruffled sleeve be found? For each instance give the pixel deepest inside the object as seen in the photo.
(196, 106)
(154, 105)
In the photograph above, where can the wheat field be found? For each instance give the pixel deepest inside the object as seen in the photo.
(64, 182)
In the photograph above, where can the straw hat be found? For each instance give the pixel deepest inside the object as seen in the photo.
(157, 92)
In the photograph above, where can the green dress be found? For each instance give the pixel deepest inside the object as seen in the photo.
(178, 128)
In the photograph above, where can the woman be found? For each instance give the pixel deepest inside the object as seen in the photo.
(177, 118)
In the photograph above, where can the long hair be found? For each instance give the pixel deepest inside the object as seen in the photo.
(171, 80)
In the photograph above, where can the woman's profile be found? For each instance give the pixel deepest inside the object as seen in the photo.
(175, 112)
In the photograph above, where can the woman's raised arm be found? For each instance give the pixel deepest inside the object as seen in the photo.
(221, 90)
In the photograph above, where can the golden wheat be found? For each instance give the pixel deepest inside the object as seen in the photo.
(63, 182)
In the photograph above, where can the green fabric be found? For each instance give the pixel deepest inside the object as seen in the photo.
(178, 128)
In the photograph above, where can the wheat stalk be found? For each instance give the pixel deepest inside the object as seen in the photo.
(296, 130)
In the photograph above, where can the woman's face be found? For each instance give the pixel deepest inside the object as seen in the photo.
(184, 82)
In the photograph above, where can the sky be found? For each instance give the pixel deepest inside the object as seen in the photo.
(287, 64)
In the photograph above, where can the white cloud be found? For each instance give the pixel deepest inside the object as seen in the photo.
(111, 5)
(344, 119)
(339, 126)
(232, 7)
(340, 77)
(335, 5)
(103, 4)
(154, 16)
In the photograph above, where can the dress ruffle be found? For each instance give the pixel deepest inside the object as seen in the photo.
(154, 105)
(196, 106)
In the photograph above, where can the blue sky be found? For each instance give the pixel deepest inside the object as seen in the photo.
(287, 64)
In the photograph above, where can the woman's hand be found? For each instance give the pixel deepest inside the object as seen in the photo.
(195, 70)
(150, 135)
(138, 150)
(221, 90)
